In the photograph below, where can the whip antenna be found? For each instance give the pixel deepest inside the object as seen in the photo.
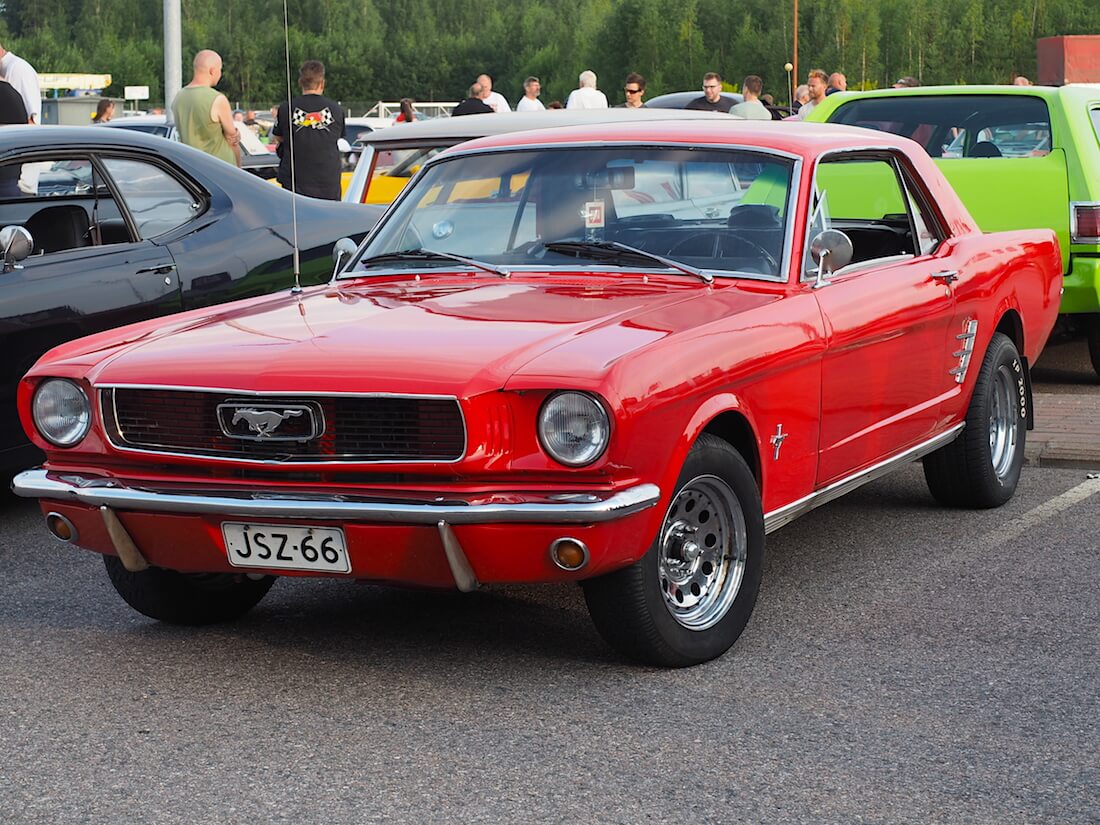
(290, 146)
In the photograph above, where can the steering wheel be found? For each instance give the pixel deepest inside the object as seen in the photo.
(717, 236)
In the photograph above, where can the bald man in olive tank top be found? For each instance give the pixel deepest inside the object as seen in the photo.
(202, 113)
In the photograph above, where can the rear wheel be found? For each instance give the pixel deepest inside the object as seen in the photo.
(689, 597)
(1092, 332)
(981, 468)
(187, 598)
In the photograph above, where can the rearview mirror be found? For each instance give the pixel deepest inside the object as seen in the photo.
(342, 251)
(611, 177)
(831, 251)
(16, 244)
(342, 145)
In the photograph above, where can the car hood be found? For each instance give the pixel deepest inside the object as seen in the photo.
(452, 334)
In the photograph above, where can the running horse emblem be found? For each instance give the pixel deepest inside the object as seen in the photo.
(263, 422)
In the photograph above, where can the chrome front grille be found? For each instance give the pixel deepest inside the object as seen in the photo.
(314, 428)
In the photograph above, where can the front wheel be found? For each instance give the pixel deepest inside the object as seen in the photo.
(689, 597)
(981, 468)
(187, 598)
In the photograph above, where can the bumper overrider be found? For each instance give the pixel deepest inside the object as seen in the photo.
(484, 537)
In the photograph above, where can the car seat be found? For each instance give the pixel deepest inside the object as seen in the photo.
(985, 149)
(59, 227)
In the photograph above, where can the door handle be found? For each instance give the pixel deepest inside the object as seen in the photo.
(163, 269)
(948, 276)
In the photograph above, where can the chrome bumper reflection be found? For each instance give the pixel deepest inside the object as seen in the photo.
(555, 508)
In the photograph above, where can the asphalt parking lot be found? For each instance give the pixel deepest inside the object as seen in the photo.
(905, 664)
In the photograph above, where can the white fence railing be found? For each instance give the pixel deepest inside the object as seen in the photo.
(388, 108)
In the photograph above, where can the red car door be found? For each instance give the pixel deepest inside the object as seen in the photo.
(887, 316)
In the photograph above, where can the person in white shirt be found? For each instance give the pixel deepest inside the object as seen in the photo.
(494, 100)
(21, 75)
(751, 108)
(586, 95)
(530, 101)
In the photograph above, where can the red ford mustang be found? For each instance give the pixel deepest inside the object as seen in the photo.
(612, 355)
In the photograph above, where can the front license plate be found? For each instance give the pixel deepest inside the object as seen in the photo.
(286, 547)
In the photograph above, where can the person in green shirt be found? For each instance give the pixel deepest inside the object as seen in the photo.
(202, 114)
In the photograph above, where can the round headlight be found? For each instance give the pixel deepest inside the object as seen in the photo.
(61, 412)
(574, 428)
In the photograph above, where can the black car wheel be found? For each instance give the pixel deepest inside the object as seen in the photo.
(688, 598)
(981, 468)
(1092, 332)
(187, 598)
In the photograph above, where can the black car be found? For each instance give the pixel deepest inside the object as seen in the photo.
(126, 226)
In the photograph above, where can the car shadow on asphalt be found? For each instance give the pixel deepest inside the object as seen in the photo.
(376, 624)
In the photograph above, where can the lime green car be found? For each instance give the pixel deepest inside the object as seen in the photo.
(1019, 157)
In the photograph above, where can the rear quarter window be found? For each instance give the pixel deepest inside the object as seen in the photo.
(958, 126)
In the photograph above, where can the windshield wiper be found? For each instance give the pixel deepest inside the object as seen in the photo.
(610, 250)
(431, 255)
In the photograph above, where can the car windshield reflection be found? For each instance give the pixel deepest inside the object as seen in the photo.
(724, 211)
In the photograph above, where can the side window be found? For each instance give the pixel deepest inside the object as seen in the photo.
(868, 201)
(958, 126)
(156, 200)
(63, 203)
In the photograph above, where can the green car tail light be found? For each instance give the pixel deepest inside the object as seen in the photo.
(1084, 222)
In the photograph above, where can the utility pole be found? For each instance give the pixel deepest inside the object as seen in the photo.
(794, 61)
(172, 55)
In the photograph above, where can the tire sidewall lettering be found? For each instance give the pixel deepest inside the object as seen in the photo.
(1021, 387)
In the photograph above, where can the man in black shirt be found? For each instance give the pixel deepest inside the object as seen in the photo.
(712, 100)
(12, 113)
(308, 128)
(473, 105)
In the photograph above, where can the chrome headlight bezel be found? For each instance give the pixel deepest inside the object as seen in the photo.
(589, 409)
(75, 422)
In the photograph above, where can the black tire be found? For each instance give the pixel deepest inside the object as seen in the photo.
(981, 468)
(636, 609)
(1092, 333)
(187, 598)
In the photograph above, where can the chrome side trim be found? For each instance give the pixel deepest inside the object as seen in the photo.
(465, 578)
(970, 332)
(785, 515)
(548, 508)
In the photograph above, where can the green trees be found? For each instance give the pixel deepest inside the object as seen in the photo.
(433, 49)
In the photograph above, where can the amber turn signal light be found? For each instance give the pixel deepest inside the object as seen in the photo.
(569, 554)
(60, 527)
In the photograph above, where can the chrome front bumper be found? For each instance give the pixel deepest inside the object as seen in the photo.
(511, 508)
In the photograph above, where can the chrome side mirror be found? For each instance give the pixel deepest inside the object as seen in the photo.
(831, 250)
(342, 146)
(16, 243)
(342, 251)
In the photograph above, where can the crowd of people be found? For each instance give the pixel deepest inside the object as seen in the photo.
(310, 163)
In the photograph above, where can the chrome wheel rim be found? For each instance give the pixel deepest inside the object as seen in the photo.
(701, 552)
(1004, 422)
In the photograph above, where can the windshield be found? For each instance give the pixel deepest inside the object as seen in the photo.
(721, 210)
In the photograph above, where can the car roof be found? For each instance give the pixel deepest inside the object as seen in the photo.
(138, 120)
(678, 100)
(925, 91)
(463, 128)
(794, 137)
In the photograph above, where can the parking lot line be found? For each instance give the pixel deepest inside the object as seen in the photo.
(1046, 510)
